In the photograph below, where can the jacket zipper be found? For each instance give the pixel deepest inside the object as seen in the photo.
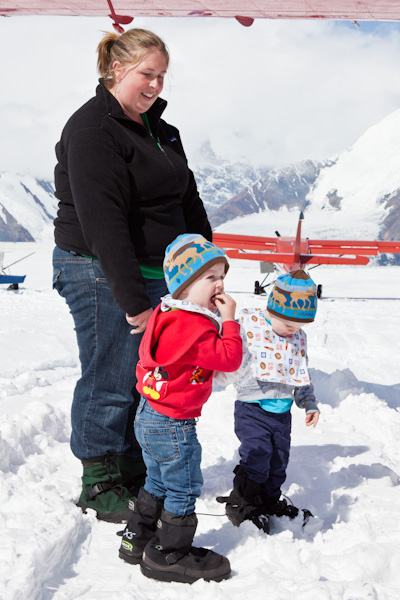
(157, 141)
(166, 156)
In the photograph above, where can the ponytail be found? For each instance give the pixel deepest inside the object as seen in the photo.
(128, 49)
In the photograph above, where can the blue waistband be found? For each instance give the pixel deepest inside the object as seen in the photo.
(275, 405)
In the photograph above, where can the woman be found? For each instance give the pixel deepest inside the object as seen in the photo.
(125, 192)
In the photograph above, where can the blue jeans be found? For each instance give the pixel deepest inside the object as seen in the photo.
(105, 398)
(172, 454)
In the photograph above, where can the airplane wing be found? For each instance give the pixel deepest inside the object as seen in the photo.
(252, 242)
(353, 247)
(296, 252)
(286, 258)
(245, 12)
(247, 242)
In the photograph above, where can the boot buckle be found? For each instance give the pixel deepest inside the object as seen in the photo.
(97, 489)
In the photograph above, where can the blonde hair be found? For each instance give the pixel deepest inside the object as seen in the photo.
(128, 48)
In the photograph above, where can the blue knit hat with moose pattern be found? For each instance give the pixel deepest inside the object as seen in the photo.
(186, 258)
(294, 297)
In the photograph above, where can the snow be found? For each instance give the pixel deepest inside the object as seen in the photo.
(346, 471)
(364, 175)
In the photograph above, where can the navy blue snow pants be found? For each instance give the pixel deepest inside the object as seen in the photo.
(264, 445)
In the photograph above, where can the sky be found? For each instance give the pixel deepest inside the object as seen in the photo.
(277, 92)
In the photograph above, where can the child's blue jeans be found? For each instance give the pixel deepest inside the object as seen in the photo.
(172, 454)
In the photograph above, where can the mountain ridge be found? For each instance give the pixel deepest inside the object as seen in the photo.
(353, 195)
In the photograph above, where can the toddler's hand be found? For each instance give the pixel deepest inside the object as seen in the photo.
(226, 306)
(312, 419)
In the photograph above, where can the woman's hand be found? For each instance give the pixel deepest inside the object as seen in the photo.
(139, 322)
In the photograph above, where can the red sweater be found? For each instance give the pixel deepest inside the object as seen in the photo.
(178, 354)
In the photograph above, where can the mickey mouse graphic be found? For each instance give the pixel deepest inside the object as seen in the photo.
(153, 382)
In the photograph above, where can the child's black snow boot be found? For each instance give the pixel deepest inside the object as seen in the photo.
(141, 527)
(281, 508)
(102, 490)
(246, 501)
(170, 556)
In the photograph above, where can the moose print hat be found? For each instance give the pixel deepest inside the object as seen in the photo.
(294, 297)
(186, 257)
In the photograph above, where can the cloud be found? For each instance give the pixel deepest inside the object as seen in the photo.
(273, 93)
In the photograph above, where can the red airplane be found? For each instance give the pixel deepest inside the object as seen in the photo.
(291, 253)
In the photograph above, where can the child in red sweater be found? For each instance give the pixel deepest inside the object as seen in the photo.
(185, 341)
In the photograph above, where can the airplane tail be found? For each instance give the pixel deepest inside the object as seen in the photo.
(297, 244)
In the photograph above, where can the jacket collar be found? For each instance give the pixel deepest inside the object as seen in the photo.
(167, 302)
(114, 109)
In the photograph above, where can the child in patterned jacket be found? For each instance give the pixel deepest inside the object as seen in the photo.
(272, 375)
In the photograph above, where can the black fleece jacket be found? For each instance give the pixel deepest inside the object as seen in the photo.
(122, 199)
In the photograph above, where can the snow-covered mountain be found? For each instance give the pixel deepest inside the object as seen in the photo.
(27, 209)
(219, 180)
(362, 186)
(28, 205)
(277, 188)
(355, 195)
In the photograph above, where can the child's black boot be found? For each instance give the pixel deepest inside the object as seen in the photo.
(283, 508)
(246, 501)
(141, 527)
(170, 556)
(103, 489)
